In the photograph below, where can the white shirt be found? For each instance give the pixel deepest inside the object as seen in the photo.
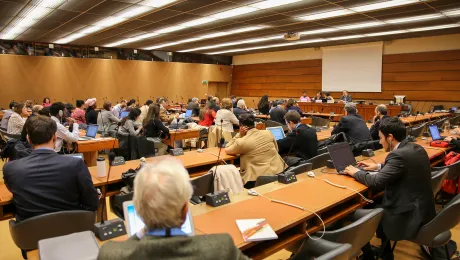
(63, 133)
(379, 165)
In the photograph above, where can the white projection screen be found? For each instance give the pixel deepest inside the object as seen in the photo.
(356, 68)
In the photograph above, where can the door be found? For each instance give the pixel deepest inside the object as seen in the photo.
(222, 91)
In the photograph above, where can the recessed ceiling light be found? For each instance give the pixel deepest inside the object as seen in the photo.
(234, 12)
(268, 46)
(134, 11)
(414, 18)
(109, 21)
(235, 43)
(196, 22)
(382, 5)
(385, 33)
(170, 44)
(324, 15)
(434, 27)
(90, 29)
(344, 37)
(156, 3)
(452, 12)
(360, 25)
(319, 31)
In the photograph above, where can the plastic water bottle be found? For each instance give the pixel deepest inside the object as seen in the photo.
(101, 167)
(446, 126)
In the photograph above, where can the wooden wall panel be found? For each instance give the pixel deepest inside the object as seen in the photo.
(422, 77)
(68, 79)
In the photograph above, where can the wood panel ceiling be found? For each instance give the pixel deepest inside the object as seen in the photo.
(74, 15)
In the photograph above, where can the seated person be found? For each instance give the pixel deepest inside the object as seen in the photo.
(6, 116)
(301, 139)
(264, 105)
(207, 116)
(352, 125)
(453, 140)
(408, 201)
(62, 133)
(118, 108)
(106, 120)
(79, 113)
(128, 125)
(241, 108)
(216, 102)
(69, 108)
(234, 100)
(277, 113)
(154, 129)
(328, 96)
(46, 182)
(144, 110)
(225, 116)
(293, 106)
(35, 112)
(194, 105)
(257, 149)
(319, 96)
(91, 114)
(161, 198)
(380, 114)
(17, 120)
(346, 97)
(164, 114)
(304, 97)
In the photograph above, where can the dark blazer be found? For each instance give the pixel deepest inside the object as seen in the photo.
(238, 111)
(203, 247)
(346, 98)
(155, 128)
(354, 127)
(295, 108)
(265, 109)
(408, 200)
(91, 116)
(303, 140)
(455, 144)
(375, 128)
(194, 107)
(46, 182)
(277, 115)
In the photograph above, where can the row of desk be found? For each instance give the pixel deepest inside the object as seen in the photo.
(291, 224)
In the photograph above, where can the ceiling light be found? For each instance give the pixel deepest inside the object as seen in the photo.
(235, 43)
(344, 37)
(234, 12)
(360, 25)
(434, 27)
(109, 21)
(197, 22)
(170, 29)
(319, 31)
(133, 12)
(385, 33)
(26, 22)
(268, 46)
(414, 18)
(330, 14)
(382, 5)
(48, 3)
(90, 29)
(34, 12)
(156, 3)
(170, 44)
(133, 39)
(452, 12)
(273, 3)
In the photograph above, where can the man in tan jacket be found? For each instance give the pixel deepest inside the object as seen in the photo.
(258, 151)
(164, 115)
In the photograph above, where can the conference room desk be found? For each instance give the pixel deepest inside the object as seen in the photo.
(1, 115)
(425, 118)
(181, 134)
(196, 164)
(331, 117)
(90, 148)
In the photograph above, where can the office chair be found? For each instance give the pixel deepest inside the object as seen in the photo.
(417, 131)
(436, 233)
(455, 120)
(7, 136)
(203, 138)
(27, 233)
(271, 123)
(453, 174)
(365, 222)
(319, 122)
(304, 167)
(262, 180)
(116, 203)
(322, 249)
(437, 178)
(322, 150)
(440, 122)
(202, 186)
(319, 160)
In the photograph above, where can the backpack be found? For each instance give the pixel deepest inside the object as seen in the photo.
(439, 253)
(450, 186)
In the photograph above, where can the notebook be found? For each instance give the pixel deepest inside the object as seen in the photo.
(255, 230)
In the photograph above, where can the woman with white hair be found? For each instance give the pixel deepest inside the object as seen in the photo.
(241, 108)
(91, 114)
(161, 198)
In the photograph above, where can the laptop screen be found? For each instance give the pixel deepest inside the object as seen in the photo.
(75, 155)
(134, 222)
(92, 131)
(188, 113)
(434, 132)
(341, 155)
(124, 114)
(277, 132)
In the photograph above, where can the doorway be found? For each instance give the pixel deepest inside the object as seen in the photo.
(218, 89)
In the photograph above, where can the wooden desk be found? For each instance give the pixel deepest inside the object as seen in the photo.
(181, 134)
(410, 120)
(90, 148)
(262, 116)
(1, 115)
(331, 117)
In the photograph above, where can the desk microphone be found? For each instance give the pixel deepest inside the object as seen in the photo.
(176, 151)
(288, 177)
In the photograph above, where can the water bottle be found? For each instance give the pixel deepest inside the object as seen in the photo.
(101, 167)
(446, 126)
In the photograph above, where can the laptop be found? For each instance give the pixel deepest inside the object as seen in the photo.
(188, 113)
(124, 114)
(341, 156)
(277, 132)
(75, 155)
(135, 224)
(435, 133)
(91, 133)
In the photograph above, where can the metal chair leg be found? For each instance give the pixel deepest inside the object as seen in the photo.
(394, 245)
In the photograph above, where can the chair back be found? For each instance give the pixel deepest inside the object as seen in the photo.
(304, 167)
(319, 160)
(455, 120)
(7, 136)
(203, 184)
(262, 180)
(320, 249)
(116, 203)
(418, 130)
(365, 224)
(27, 233)
(437, 178)
(436, 233)
(454, 170)
(318, 121)
(440, 122)
(271, 123)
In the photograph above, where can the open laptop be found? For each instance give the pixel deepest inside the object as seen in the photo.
(277, 132)
(91, 133)
(435, 133)
(75, 155)
(188, 113)
(341, 156)
(124, 114)
(135, 224)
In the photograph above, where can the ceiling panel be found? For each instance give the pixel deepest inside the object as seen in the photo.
(190, 5)
(80, 5)
(62, 15)
(159, 15)
(133, 24)
(10, 9)
(87, 18)
(214, 8)
(108, 7)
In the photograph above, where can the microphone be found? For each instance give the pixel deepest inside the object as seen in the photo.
(222, 140)
(288, 177)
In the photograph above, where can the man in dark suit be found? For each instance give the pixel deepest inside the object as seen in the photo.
(346, 97)
(405, 176)
(161, 199)
(352, 125)
(46, 182)
(301, 138)
(380, 114)
(241, 108)
(194, 105)
(277, 113)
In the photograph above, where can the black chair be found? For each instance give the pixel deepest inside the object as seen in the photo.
(319, 160)
(417, 130)
(202, 186)
(365, 222)
(322, 150)
(454, 172)
(27, 233)
(262, 180)
(437, 178)
(440, 122)
(320, 249)
(271, 123)
(7, 136)
(319, 122)
(116, 203)
(203, 138)
(455, 120)
(304, 167)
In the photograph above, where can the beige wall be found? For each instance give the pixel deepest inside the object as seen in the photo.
(413, 45)
(68, 79)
